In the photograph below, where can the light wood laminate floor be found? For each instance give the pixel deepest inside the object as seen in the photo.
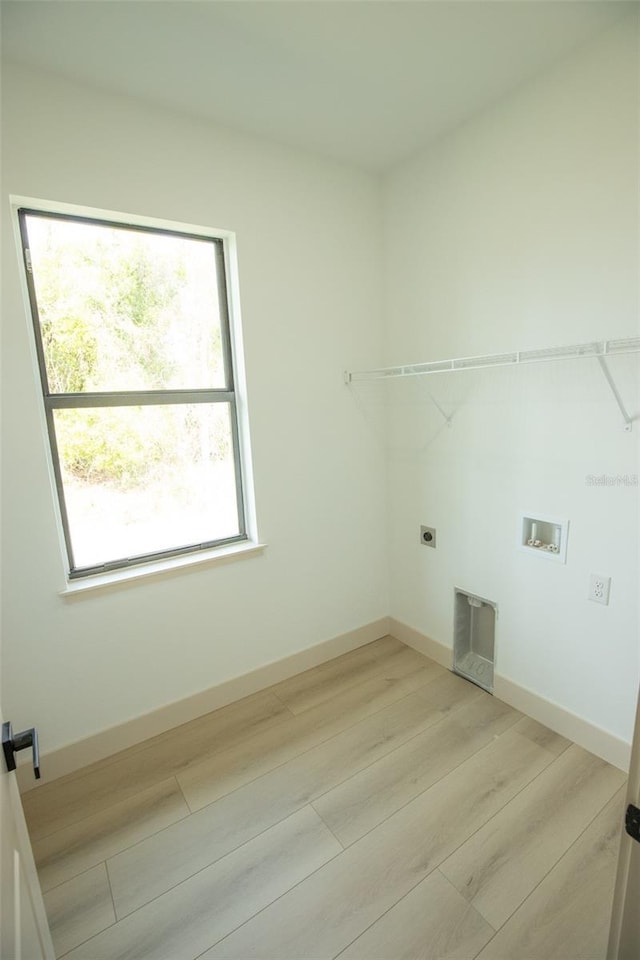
(374, 808)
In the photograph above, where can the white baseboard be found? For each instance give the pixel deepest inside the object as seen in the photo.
(74, 756)
(552, 715)
(421, 642)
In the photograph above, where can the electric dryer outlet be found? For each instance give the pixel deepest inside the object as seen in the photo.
(428, 536)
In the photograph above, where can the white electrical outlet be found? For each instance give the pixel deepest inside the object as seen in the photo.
(599, 587)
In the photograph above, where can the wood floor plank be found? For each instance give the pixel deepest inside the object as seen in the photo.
(432, 922)
(152, 866)
(567, 916)
(329, 910)
(215, 777)
(52, 806)
(369, 797)
(190, 917)
(504, 861)
(350, 663)
(543, 736)
(79, 909)
(60, 803)
(316, 686)
(72, 850)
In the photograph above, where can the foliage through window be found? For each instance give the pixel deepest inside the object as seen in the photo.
(133, 340)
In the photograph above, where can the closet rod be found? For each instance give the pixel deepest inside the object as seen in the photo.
(598, 348)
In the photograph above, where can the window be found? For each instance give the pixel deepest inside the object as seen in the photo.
(136, 363)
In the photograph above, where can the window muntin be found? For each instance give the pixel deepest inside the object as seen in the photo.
(133, 339)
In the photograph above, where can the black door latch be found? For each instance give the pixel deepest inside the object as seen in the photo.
(12, 742)
(632, 822)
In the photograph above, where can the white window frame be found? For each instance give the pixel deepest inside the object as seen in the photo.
(234, 393)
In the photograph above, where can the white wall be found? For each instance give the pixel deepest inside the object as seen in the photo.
(308, 236)
(521, 231)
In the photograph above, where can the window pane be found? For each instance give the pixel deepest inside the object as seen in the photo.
(122, 309)
(141, 480)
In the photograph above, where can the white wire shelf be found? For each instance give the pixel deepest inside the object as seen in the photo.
(577, 351)
(599, 350)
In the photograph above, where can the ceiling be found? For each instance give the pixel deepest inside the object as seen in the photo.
(367, 83)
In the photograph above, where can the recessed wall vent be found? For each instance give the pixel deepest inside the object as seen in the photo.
(474, 638)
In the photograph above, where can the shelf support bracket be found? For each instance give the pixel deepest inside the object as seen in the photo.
(628, 421)
(447, 419)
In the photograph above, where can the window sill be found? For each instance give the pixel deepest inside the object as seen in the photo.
(160, 568)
